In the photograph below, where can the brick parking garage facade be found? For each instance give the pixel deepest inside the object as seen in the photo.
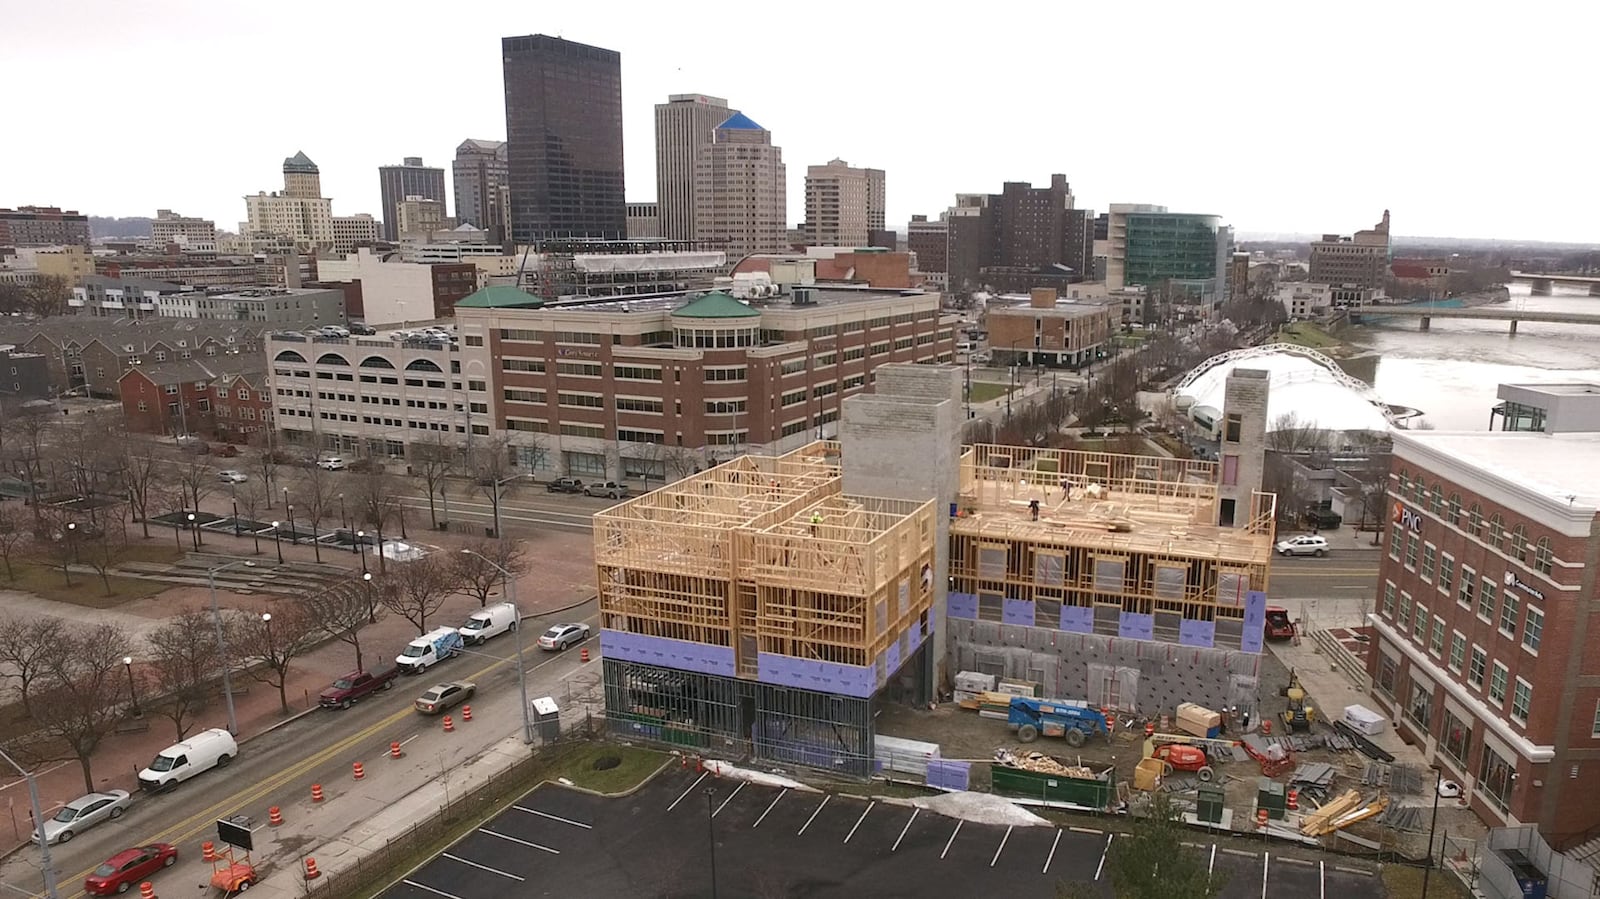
(1481, 652)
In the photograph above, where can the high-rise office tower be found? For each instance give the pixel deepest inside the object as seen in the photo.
(480, 172)
(844, 205)
(740, 192)
(564, 139)
(684, 125)
(301, 177)
(408, 179)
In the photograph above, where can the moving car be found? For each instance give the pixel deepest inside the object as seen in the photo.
(609, 489)
(440, 697)
(561, 636)
(565, 485)
(213, 748)
(83, 813)
(429, 649)
(128, 867)
(232, 476)
(490, 621)
(332, 463)
(1303, 545)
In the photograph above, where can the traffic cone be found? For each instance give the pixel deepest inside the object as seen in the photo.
(449, 726)
(208, 851)
(357, 771)
(1294, 800)
(147, 890)
(1261, 818)
(316, 792)
(394, 750)
(1266, 727)
(274, 816)
(466, 713)
(1149, 729)
(583, 655)
(311, 869)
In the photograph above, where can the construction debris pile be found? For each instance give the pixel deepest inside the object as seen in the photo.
(1039, 763)
(1341, 812)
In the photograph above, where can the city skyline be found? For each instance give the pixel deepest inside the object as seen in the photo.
(1439, 141)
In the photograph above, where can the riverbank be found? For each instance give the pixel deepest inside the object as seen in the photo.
(1335, 342)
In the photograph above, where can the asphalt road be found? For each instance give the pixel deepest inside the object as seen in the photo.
(526, 506)
(278, 768)
(1346, 573)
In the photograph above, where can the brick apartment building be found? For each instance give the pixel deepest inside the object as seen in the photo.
(1043, 331)
(196, 396)
(1482, 654)
(94, 353)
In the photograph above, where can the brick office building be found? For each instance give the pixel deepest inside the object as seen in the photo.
(181, 397)
(1481, 653)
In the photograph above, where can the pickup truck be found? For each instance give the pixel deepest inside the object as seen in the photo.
(355, 685)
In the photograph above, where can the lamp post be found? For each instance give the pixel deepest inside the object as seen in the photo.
(497, 497)
(222, 644)
(266, 620)
(133, 692)
(236, 512)
(522, 675)
(1013, 385)
(711, 834)
(194, 531)
(361, 547)
(275, 542)
(1438, 779)
(38, 827)
(72, 544)
(344, 521)
(289, 509)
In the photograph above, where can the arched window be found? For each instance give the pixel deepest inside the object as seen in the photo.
(332, 359)
(376, 362)
(1497, 531)
(1519, 543)
(1436, 501)
(1455, 509)
(1419, 493)
(1544, 561)
(288, 356)
(424, 365)
(1475, 521)
(1405, 484)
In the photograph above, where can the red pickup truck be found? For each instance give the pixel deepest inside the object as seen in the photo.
(354, 686)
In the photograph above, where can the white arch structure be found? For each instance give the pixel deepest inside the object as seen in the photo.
(1320, 393)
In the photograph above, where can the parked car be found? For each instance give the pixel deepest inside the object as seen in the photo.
(353, 686)
(232, 476)
(225, 450)
(490, 621)
(440, 697)
(565, 485)
(429, 649)
(83, 813)
(1303, 545)
(608, 489)
(362, 330)
(128, 867)
(560, 636)
(336, 330)
(331, 463)
(1324, 519)
(213, 748)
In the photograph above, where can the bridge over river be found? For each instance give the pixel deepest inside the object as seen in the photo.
(1426, 313)
(1542, 285)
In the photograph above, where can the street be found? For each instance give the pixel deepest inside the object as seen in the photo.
(279, 767)
(530, 505)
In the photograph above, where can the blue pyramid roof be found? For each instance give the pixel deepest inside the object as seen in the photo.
(740, 122)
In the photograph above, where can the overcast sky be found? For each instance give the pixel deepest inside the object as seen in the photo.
(1467, 120)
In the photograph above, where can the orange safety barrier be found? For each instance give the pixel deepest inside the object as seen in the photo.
(311, 869)
(357, 770)
(1294, 800)
(583, 656)
(274, 816)
(147, 890)
(1149, 729)
(1261, 818)
(316, 792)
(449, 726)
(466, 713)
(1266, 727)
(208, 851)
(394, 750)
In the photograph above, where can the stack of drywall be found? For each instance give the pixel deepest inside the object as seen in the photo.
(994, 705)
(905, 756)
(1198, 721)
(1018, 688)
(971, 683)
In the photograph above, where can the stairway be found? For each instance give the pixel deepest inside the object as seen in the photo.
(1349, 664)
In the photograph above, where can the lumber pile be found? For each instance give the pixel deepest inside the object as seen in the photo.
(1039, 763)
(1340, 812)
(990, 704)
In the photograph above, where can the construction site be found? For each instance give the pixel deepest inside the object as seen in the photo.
(576, 267)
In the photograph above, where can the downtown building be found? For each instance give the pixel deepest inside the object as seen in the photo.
(844, 205)
(1356, 266)
(299, 213)
(929, 242)
(563, 139)
(43, 226)
(1020, 238)
(483, 200)
(1487, 588)
(741, 191)
(685, 126)
(400, 183)
(1182, 259)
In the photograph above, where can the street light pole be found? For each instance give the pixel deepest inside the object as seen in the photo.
(1438, 779)
(711, 834)
(222, 644)
(522, 675)
(276, 544)
(133, 692)
(38, 826)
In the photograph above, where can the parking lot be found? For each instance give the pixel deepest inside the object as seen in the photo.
(772, 842)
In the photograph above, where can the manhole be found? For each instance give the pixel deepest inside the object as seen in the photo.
(606, 762)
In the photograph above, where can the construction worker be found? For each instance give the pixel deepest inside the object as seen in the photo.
(816, 519)
(1033, 509)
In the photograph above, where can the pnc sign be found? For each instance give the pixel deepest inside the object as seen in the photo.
(1411, 521)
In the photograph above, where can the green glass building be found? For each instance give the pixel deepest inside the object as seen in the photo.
(1176, 246)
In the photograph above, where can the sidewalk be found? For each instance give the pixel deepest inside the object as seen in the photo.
(561, 574)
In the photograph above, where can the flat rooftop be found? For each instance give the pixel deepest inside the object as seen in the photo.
(821, 297)
(1559, 468)
(1570, 388)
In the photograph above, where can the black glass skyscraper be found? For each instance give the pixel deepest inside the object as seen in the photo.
(564, 139)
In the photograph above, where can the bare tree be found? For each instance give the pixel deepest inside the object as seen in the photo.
(145, 472)
(56, 540)
(1290, 434)
(14, 533)
(418, 591)
(195, 480)
(315, 496)
(492, 470)
(81, 703)
(30, 446)
(104, 548)
(434, 459)
(275, 640)
(267, 461)
(28, 647)
(250, 498)
(342, 610)
(183, 667)
(378, 500)
(681, 462)
(475, 573)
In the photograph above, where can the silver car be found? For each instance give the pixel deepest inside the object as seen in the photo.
(83, 813)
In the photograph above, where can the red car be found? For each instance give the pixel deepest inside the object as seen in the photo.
(127, 868)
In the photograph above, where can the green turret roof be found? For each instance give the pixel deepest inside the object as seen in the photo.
(500, 296)
(716, 305)
(300, 162)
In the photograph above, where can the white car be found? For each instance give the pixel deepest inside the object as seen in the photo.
(332, 463)
(1303, 545)
(232, 476)
(83, 813)
(561, 636)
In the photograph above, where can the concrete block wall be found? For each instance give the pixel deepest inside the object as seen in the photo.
(1166, 674)
(1245, 395)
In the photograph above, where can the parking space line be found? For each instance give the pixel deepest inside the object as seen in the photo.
(472, 864)
(951, 840)
(860, 819)
(1002, 846)
(730, 798)
(1103, 853)
(1212, 866)
(520, 842)
(1266, 862)
(1052, 856)
(422, 886)
(534, 811)
(1287, 860)
(813, 815)
(1088, 830)
(1239, 852)
(1322, 880)
(687, 792)
(904, 829)
(770, 807)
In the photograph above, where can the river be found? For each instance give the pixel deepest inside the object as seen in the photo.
(1451, 372)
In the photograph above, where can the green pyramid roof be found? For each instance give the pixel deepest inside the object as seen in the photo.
(500, 296)
(716, 305)
(300, 162)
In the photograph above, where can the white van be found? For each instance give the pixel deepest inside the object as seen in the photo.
(213, 748)
(491, 621)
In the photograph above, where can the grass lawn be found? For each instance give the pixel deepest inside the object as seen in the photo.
(1405, 882)
(152, 550)
(86, 590)
(1308, 335)
(633, 766)
(984, 391)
